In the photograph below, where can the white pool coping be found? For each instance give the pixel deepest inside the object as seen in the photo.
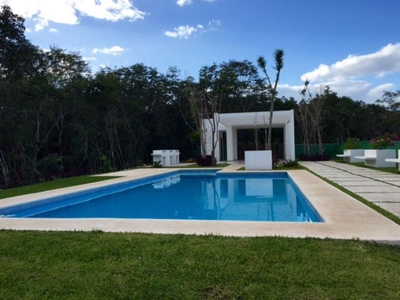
(344, 217)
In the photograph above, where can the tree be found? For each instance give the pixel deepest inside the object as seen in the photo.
(205, 105)
(17, 54)
(147, 97)
(239, 85)
(271, 87)
(310, 112)
(317, 105)
(18, 59)
(391, 100)
(304, 126)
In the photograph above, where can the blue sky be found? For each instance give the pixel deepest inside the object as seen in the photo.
(351, 45)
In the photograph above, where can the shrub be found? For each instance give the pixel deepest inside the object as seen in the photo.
(351, 143)
(290, 163)
(205, 161)
(106, 164)
(157, 164)
(275, 163)
(384, 141)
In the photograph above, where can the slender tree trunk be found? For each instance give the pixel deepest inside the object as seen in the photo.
(4, 170)
(269, 146)
(85, 147)
(120, 152)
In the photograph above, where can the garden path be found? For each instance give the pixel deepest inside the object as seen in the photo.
(380, 188)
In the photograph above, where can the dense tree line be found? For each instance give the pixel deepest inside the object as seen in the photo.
(59, 119)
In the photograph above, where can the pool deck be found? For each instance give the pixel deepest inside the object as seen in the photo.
(344, 216)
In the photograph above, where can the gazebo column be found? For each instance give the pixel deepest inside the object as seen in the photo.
(231, 143)
(288, 136)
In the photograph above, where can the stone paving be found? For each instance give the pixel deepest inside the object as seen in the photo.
(380, 188)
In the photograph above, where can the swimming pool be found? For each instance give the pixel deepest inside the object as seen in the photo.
(183, 195)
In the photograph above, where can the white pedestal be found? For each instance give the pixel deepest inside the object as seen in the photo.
(258, 160)
(377, 158)
(395, 160)
(350, 155)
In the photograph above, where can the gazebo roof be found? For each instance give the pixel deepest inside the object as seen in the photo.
(259, 119)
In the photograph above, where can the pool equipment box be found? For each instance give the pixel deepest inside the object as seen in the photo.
(166, 157)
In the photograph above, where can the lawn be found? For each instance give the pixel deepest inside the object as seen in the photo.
(51, 185)
(98, 265)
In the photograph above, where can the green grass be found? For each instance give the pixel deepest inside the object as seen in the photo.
(51, 185)
(282, 167)
(97, 265)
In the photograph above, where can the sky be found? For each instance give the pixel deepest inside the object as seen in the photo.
(352, 46)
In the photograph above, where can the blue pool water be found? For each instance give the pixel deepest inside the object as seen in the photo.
(196, 195)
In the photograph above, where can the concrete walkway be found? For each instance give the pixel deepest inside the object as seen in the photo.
(380, 188)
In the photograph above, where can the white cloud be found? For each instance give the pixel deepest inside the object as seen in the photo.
(53, 30)
(377, 92)
(41, 12)
(185, 31)
(380, 63)
(188, 2)
(89, 58)
(289, 91)
(352, 75)
(115, 50)
(184, 2)
(214, 24)
(110, 10)
(359, 89)
(355, 89)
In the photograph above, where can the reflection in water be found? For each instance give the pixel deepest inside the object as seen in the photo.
(258, 199)
(201, 198)
(166, 182)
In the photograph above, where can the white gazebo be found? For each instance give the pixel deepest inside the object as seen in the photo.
(228, 124)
